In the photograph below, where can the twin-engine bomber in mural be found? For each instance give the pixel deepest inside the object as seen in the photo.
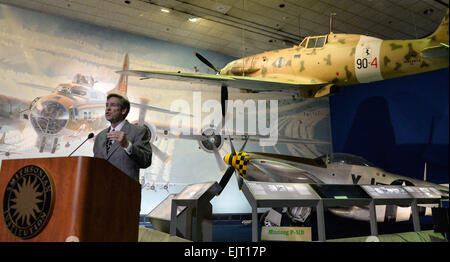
(321, 64)
(336, 168)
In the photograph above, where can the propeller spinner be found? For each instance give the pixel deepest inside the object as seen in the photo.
(236, 161)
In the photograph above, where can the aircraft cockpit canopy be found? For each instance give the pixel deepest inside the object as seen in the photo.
(81, 91)
(63, 89)
(348, 159)
(72, 90)
(83, 80)
(314, 42)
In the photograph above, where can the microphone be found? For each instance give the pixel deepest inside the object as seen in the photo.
(91, 135)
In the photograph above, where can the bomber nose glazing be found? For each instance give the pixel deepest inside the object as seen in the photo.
(49, 117)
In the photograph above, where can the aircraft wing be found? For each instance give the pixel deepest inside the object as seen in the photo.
(42, 87)
(283, 140)
(257, 84)
(157, 109)
(165, 130)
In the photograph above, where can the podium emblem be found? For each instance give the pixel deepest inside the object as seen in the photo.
(28, 201)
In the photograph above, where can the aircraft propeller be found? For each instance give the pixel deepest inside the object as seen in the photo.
(206, 62)
(223, 98)
(218, 158)
(226, 177)
(223, 89)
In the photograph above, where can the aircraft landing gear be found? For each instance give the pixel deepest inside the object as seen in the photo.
(55, 144)
(42, 145)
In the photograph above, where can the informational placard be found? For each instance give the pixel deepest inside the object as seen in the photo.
(423, 192)
(274, 191)
(386, 192)
(286, 234)
(332, 191)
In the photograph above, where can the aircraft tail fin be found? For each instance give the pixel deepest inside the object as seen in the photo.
(441, 33)
(122, 84)
(22, 127)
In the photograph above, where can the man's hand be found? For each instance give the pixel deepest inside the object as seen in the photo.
(118, 136)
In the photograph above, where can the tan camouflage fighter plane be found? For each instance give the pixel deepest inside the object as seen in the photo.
(322, 62)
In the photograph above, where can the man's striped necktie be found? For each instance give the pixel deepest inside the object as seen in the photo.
(108, 144)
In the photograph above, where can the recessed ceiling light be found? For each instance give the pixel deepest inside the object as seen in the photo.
(222, 8)
(165, 10)
(193, 19)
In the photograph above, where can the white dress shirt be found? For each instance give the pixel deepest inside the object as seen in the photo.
(118, 128)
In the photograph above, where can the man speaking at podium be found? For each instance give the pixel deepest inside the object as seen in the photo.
(124, 145)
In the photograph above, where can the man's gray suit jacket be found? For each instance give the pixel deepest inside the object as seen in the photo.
(141, 151)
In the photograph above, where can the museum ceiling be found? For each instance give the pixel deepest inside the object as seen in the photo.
(245, 27)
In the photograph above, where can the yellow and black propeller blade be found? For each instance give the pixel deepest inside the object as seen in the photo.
(240, 180)
(226, 177)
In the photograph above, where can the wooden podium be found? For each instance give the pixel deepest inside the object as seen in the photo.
(67, 199)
